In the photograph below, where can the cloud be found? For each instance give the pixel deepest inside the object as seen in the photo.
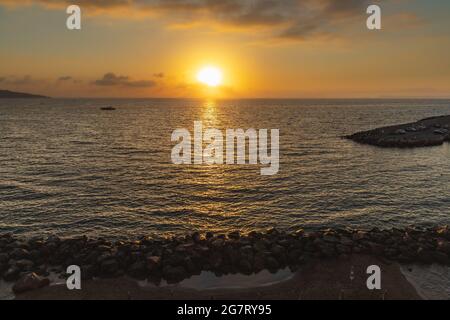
(111, 79)
(65, 78)
(25, 80)
(159, 75)
(2, 79)
(280, 19)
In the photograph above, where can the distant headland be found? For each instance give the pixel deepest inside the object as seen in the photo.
(6, 94)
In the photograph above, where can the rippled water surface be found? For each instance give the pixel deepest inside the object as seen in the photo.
(67, 167)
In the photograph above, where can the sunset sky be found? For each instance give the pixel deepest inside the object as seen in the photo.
(264, 48)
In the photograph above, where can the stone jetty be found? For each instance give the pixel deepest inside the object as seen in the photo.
(29, 262)
(424, 133)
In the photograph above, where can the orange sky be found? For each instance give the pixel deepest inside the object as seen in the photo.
(277, 49)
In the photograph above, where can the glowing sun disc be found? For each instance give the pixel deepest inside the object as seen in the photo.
(211, 76)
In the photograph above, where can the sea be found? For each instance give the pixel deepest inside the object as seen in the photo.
(69, 168)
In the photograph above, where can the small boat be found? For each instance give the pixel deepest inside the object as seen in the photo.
(108, 108)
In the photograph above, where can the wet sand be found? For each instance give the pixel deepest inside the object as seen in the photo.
(321, 279)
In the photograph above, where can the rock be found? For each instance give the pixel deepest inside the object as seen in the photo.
(218, 243)
(20, 253)
(293, 256)
(444, 246)
(246, 250)
(153, 263)
(190, 266)
(245, 266)
(138, 270)
(440, 131)
(299, 233)
(376, 248)
(327, 250)
(259, 246)
(196, 237)
(258, 263)
(400, 131)
(345, 241)
(360, 235)
(271, 264)
(88, 272)
(234, 235)
(30, 282)
(277, 250)
(24, 264)
(342, 249)
(272, 232)
(444, 232)
(330, 238)
(11, 274)
(209, 235)
(109, 267)
(441, 258)
(174, 274)
(425, 256)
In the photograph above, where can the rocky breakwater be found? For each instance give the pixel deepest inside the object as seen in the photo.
(28, 262)
(424, 133)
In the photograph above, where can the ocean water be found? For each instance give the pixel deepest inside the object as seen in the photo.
(68, 168)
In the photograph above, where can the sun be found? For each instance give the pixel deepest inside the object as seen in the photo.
(210, 76)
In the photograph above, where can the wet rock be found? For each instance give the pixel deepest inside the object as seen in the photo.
(245, 266)
(196, 237)
(425, 256)
(330, 238)
(376, 248)
(327, 250)
(294, 255)
(277, 250)
(4, 257)
(153, 263)
(360, 235)
(441, 258)
(345, 241)
(444, 232)
(218, 243)
(29, 282)
(25, 264)
(444, 246)
(234, 235)
(138, 270)
(174, 274)
(11, 274)
(271, 264)
(342, 249)
(20, 253)
(109, 267)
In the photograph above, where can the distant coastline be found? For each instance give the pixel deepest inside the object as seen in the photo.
(6, 94)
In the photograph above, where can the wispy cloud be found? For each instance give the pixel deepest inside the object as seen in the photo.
(111, 79)
(19, 80)
(280, 19)
(65, 78)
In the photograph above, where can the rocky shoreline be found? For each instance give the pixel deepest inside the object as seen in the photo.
(28, 262)
(424, 133)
